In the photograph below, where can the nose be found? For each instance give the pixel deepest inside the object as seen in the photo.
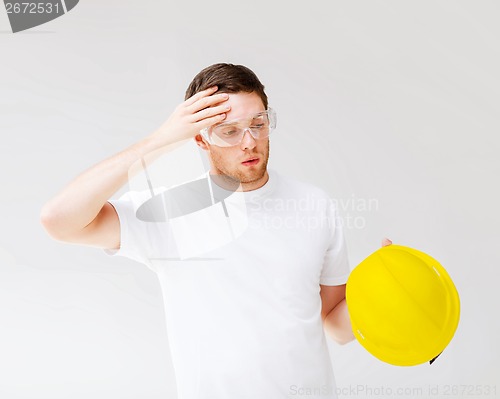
(247, 141)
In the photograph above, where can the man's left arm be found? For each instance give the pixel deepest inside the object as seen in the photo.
(334, 313)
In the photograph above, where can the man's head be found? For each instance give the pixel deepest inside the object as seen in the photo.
(246, 98)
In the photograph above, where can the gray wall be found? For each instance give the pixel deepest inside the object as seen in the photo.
(388, 104)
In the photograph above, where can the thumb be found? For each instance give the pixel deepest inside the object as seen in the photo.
(386, 242)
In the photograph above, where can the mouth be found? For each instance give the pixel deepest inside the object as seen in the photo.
(251, 162)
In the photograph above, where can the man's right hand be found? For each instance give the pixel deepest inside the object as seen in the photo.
(80, 213)
(202, 110)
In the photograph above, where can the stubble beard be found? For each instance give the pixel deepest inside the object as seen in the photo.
(238, 173)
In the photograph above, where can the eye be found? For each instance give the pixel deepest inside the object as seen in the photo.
(259, 126)
(228, 132)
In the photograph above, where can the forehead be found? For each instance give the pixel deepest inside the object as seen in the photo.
(243, 105)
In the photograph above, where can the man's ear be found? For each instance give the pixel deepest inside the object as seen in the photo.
(200, 142)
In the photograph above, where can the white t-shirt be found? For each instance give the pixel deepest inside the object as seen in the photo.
(244, 316)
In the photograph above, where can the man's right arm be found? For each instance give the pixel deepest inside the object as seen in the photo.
(81, 214)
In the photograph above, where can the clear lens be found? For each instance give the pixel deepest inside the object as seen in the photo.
(231, 133)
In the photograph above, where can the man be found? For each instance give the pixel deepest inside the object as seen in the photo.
(245, 319)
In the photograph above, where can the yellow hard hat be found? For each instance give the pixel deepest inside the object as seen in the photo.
(403, 305)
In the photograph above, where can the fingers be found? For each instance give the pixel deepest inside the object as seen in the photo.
(209, 121)
(191, 100)
(386, 242)
(206, 102)
(209, 112)
(201, 109)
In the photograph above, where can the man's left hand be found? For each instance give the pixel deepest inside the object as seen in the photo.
(386, 242)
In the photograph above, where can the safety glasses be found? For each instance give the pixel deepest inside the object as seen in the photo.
(230, 133)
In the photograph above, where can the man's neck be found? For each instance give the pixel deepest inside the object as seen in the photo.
(229, 183)
(254, 185)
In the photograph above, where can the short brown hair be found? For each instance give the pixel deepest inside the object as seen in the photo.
(229, 78)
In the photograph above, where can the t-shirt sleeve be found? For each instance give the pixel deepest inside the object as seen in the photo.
(335, 269)
(139, 240)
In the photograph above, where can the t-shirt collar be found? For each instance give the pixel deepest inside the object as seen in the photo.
(261, 192)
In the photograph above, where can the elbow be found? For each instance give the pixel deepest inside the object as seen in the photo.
(338, 326)
(341, 336)
(46, 218)
(49, 222)
(48, 225)
(343, 340)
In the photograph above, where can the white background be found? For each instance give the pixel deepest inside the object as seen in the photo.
(396, 102)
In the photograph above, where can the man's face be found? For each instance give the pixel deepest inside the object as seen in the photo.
(230, 161)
